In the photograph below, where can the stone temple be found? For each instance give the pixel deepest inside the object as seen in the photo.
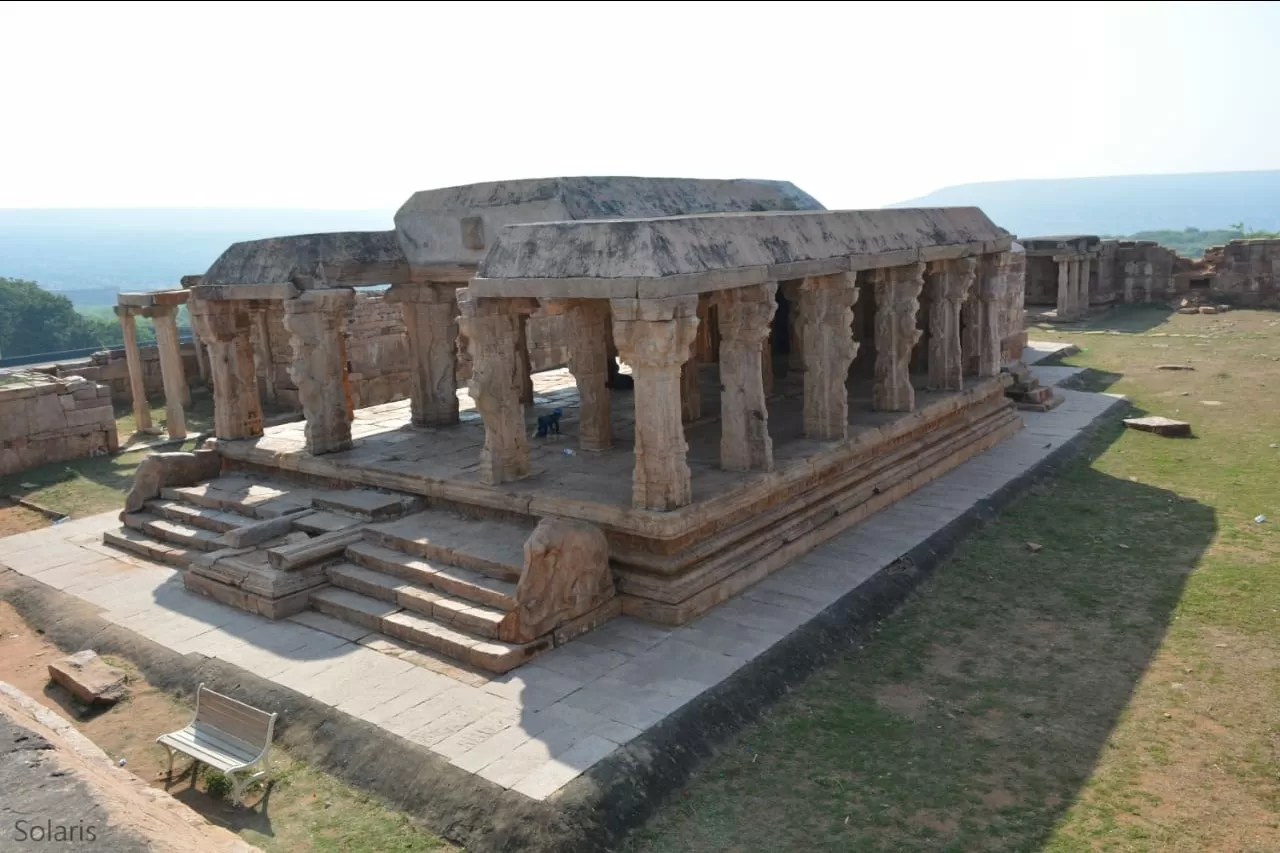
(748, 375)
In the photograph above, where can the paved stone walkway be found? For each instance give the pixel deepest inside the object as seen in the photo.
(536, 728)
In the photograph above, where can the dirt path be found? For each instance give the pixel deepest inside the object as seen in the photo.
(19, 519)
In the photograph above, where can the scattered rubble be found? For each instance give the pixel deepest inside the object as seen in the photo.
(1160, 426)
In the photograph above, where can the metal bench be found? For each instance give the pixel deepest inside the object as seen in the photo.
(225, 734)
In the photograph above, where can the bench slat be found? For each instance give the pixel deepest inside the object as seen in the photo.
(250, 731)
(211, 742)
(217, 760)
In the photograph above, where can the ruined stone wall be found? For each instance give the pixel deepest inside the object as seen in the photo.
(1246, 273)
(43, 420)
(1041, 280)
(110, 368)
(1142, 268)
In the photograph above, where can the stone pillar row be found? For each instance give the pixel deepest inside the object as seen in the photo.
(177, 394)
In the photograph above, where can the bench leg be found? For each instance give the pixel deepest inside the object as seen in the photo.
(168, 748)
(238, 784)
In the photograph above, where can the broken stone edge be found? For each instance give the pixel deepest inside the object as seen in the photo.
(594, 812)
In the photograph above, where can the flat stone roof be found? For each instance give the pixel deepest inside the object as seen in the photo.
(339, 257)
(654, 258)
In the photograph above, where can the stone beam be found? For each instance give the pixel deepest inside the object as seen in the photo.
(897, 292)
(431, 321)
(745, 315)
(315, 321)
(949, 283)
(824, 310)
(492, 331)
(654, 337)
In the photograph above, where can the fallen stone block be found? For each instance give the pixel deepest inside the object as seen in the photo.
(89, 678)
(1160, 426)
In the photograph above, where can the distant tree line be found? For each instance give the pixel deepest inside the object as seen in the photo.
(35, 321)
(1191, 242)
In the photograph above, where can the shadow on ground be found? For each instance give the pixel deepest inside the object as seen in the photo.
(973, 717)
(1131, 319)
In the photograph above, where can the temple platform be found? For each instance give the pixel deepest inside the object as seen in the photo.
(669, 566)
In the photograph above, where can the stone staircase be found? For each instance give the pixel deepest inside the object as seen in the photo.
(378, 562)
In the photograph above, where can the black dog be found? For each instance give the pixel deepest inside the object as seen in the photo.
(549, 424)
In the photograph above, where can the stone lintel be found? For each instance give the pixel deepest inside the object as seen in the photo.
(225, 292)
(352, 274)
(421, 292)
(146, 299)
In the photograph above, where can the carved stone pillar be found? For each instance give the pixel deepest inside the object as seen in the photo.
(897, 301)
(526, 367)
(133, 361)
(824, 309)
(316, 323)
(690, 392)
(1073, 285)
(1082, 295)
(165, 318)
(492, 328)
(991, 287)
(1130, 270)
(654, 336)
(588, 322)
(790, 290)
(431, 323)
(1064, 306)
(223, 326)
(202, 359)
(949, 284)
(260, 319)
(745, 314)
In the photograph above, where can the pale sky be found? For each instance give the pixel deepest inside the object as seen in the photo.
(357, 105)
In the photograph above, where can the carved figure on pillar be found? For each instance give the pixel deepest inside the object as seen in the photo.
(825, 311)
(897, 301)
(654, 336)
(745, 314)
(316, 323)
(431, 322)
(223, 326)
(492, 328)
(949, 283)
(991, 290)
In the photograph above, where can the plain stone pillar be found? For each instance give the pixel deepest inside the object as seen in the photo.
(165, 318)
(202, 360)
(949, 285)
(262, 352)
(316, 323)
(526, 368)
(991, 290)
(492, 328)
(825, 314)
(588, 327)
(654, 337)
(745, 314)
(897, 301)
(431, 323)
(1073, 285)
(224, 328)
(1064, 288)
(1082, 297)
(1130, 270)
(133, 361)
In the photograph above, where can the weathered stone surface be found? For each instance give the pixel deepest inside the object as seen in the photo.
(315, 324)
(825, 320)
(1160, 426)
(137, 388)
(991, 289)
(176, 392)
(744, 317)
(654, 258)
(655, 337)
(566, 574)
(949, 284)
(588, 330)
(157, 471)
(492, 329)
(431, 322)
(333, 259)
(89, 678)
(897, 300)
(225, 329)
(46, 420)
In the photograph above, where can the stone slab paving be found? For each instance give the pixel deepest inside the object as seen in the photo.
(538, 727)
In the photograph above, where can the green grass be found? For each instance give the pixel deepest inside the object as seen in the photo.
(1117, 690)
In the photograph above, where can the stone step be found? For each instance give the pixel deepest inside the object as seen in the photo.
(460, 614)
(1039, 394)
(490, 547)
(367, 504)
(174, 532)
(323, 521)
(219, 521)
(453, 580)
(424, 631)
(1045, 406)
(140, 544)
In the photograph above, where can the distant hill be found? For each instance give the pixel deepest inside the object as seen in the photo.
(91, 255)
(1121, 204)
